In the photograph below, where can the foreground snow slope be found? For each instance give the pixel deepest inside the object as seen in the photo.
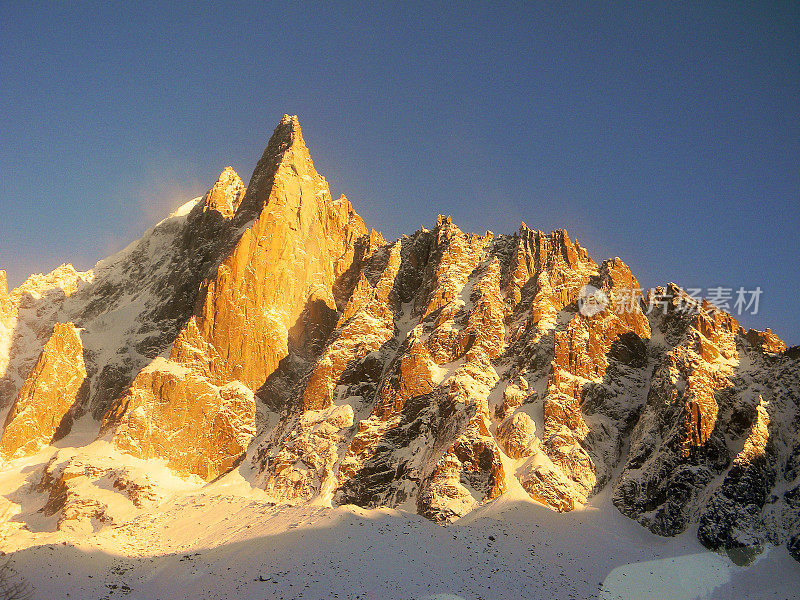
(228, 539)
(216, 545)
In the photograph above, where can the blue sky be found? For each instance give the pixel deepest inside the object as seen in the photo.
(666, 134)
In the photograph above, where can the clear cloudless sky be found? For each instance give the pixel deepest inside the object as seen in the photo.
(664, 133)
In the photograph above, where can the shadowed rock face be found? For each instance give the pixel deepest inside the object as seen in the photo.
(267, 325)
(715, 437)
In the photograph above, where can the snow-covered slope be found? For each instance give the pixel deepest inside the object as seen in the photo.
(259, 359)
(227, 541)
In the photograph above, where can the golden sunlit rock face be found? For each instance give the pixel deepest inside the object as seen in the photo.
(55, 384)
(275, 288)
(226, 194)
(197, 427)
(264, 330)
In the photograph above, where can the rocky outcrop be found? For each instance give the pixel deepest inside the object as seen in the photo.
(678, 447)
(731, 517)
(756, 502)
(27, 317)
(87, 494)
(586, 415)
(517, 436)
(171, 413)
(765, 341)
(365, 325)
(56, 383)
(710, 444)
(303, 462)
(470, 473)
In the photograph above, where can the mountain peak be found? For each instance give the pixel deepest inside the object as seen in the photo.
(226, 193)
(290, 125)
(286, 143)
(286, 135)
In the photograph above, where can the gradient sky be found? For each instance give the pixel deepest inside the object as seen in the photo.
(665, 134)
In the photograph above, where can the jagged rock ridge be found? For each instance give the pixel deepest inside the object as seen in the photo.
(266, 327)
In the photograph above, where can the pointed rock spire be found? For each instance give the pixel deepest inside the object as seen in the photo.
(287, 133)
(286, 146)
(226, 194)
(271, 295)
(3, 285)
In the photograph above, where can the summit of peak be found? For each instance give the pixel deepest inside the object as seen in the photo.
(226, 193)
(227, 174)
(287, 133)
(286, 145)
